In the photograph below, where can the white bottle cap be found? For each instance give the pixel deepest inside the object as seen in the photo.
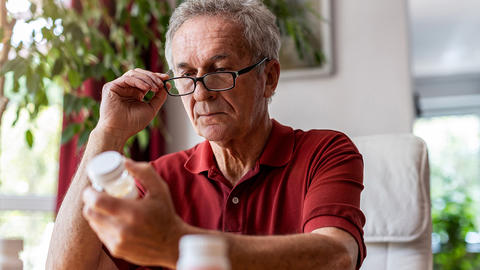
(203, 252)
(105, 167)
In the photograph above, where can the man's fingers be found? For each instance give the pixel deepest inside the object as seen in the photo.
(146, 175)
(100, 222)
(129, 87)
(137, 83)
(104, 226)
(153, 76)
(95, 218)
(147, 77)
(103, 203)
(162, 76)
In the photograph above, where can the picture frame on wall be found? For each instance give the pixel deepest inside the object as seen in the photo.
(292, 66)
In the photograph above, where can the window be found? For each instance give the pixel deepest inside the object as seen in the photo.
(28, 177)
(446, 77)
(28, 181)
(454, 152)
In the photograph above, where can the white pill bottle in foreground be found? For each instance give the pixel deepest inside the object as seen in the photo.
(107, 172)
(202, 252)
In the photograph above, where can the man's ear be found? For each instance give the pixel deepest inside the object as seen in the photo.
(272, 71)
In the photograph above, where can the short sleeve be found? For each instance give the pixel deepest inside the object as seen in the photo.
(333, 195)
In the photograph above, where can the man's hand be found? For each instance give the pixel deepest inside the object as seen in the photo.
(123, 112)
(145, 231)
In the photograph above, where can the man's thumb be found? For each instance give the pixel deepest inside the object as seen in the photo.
(158, 100)
(146, 176)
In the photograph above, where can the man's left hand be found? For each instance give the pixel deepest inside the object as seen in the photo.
(143, 231)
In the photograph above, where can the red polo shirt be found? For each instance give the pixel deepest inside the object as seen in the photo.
(303, 181)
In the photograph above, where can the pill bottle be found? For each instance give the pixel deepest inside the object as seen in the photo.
(202, 252)
(9, 249)
(107, 173)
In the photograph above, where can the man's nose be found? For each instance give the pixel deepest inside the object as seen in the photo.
(201, 93)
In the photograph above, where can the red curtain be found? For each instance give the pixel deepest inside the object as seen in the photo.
(70, 156)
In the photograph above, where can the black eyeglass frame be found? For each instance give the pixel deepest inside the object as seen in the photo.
(234, 74)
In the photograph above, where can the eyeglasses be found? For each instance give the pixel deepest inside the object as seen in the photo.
(214, 81)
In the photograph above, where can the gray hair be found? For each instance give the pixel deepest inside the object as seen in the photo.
(259, 28)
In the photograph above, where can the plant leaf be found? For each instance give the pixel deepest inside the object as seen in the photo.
(33, 7)
(33, 81)
(143, 138)
(83, 138)
(17, 115)
(29, 138)
(69, 132)
(57, 67)
(16, 86)
(68, 103)
(148, 96)
(74, 78)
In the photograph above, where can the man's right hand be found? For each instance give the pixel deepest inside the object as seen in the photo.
(123, 113)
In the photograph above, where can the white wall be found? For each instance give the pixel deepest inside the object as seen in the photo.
(369, 93)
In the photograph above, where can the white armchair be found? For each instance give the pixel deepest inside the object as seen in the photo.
(396, 202)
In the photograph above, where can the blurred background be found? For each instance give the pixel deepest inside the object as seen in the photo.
(379, 67)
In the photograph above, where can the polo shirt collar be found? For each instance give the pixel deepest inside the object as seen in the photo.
(277, 152)
(279, 148)
(202, 159)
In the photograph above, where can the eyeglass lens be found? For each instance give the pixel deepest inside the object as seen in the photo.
(214, 82)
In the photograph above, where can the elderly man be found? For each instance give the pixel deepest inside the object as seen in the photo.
(281, 198)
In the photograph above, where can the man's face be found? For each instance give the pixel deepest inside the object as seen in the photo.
(208, 44)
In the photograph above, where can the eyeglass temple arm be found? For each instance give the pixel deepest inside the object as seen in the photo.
(247, 69)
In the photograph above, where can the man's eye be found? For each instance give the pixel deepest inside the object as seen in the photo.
(187, 74)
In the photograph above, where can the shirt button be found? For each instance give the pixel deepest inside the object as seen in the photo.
(235, 200)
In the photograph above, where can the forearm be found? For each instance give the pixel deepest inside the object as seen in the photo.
(301, 251)
(298, 251)
(74, 245)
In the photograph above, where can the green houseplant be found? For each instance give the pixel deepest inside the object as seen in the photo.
(453, 216)
(452, 223)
